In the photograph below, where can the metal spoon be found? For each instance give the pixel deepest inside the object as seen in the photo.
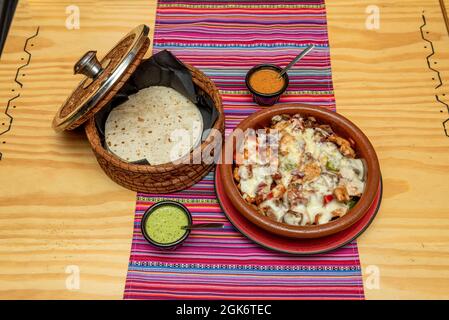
(296, 59)
(203, 226)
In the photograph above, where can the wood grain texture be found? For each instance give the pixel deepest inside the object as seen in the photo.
(383, 83)
(58, 208)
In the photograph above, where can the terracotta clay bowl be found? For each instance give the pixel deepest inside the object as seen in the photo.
(342, 127)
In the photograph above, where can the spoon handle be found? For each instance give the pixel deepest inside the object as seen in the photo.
(204, 226)
(297, 58)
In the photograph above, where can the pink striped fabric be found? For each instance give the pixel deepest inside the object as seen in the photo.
(224, 39)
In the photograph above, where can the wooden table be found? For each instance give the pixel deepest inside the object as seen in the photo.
(58, 210)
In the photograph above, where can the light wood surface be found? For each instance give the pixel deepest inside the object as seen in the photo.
(58, 209)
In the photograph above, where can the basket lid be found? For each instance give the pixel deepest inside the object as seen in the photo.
(102, 79)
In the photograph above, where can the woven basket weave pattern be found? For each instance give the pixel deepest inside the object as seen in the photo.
(163, 178)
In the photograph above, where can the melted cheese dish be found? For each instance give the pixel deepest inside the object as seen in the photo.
(299, 172)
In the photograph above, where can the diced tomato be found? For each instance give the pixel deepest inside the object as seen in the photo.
(328, 198)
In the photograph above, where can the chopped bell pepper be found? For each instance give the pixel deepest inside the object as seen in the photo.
(331, 167)
(328, 198)
(351, 203)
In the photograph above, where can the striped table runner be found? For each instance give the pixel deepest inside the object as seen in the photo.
(224, 39)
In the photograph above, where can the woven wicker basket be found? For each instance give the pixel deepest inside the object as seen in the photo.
(103, 80)
(162, 178)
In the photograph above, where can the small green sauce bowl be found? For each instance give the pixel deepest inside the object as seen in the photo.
(155, 208)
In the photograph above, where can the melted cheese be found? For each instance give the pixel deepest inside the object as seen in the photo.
(311, 146)
(292, 219)
(277, 209)
(330, 153)
(352, 172)
(299, 148)
(259, 175)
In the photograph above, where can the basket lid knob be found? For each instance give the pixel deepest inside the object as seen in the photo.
(102, 78)
(88, 65)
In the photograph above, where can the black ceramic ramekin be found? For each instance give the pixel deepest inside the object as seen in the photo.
(150, 210)
(264, 99)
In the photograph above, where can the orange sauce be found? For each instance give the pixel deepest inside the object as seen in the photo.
(266, 81)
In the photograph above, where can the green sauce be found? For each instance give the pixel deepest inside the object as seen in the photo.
(164, 224)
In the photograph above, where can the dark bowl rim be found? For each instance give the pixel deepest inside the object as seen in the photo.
(150, 210)
(266, 66)
(314, 231)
